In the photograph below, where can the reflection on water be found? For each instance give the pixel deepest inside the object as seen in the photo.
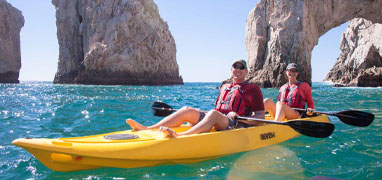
(273, 162)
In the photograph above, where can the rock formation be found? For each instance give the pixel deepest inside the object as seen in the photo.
(360, 62)
(282, 31)
(11, 22)
(114, 42)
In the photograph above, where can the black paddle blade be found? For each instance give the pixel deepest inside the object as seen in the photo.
(161, 109)
(356, 118)
(312, 129)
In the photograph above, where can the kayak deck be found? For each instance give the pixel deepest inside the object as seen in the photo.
(152, 147)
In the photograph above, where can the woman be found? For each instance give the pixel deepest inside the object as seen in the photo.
(293, 94)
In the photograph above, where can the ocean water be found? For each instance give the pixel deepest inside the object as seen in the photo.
(43, 109)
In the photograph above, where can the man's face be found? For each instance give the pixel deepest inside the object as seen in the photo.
(238, 72)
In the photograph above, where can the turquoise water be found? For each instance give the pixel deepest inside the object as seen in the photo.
(42, 109)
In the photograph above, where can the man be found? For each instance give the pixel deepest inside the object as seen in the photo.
(236, 98)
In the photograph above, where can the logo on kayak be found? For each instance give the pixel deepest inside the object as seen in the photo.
(268, 135)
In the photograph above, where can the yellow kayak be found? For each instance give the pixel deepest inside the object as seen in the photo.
(131, 149)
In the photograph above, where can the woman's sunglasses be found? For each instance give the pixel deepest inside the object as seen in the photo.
(235, 66)
(293, 70)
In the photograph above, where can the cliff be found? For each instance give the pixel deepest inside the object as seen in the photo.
(11, 22)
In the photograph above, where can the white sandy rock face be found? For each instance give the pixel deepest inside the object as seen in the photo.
(114, 42)
(360, 61)
(11, 22)
(279, 32)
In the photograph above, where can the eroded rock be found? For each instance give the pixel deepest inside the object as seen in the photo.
(114, 42)
(360, 61)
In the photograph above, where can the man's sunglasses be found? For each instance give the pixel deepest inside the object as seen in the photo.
(235, 66)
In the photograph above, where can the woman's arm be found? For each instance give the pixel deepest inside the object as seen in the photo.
(309, 100)
(308, 96)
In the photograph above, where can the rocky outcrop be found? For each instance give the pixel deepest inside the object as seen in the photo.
(11, 22)
(360, 61)
(282, 31)
(122, 42)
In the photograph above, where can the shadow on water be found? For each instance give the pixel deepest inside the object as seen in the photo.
(211, 169)
(273, 162)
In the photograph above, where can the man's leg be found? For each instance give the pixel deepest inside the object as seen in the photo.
(185, 114)
(212, 119)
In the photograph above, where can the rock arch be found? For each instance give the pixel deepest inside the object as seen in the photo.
(283, 31)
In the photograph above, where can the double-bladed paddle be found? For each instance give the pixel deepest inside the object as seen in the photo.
(351, 117)
(308, 128)
(161, 109)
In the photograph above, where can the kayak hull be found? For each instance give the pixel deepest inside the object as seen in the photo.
(151, 147)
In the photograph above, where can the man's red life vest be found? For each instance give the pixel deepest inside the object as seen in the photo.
(291, 96)
(231, 99)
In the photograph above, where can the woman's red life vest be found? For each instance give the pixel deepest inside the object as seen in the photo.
(231, 99)
(291, 96)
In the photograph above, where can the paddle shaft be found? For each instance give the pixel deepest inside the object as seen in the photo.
(327, 113)
(261, 120)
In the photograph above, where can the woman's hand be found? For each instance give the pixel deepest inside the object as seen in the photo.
(309, 111)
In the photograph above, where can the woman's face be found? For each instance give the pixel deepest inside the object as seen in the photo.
(292, 74)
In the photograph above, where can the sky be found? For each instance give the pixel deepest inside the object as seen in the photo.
(209, 36)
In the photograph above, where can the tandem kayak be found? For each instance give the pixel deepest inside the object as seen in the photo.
(131, 149)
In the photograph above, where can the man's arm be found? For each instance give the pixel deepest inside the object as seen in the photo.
(259, 114)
